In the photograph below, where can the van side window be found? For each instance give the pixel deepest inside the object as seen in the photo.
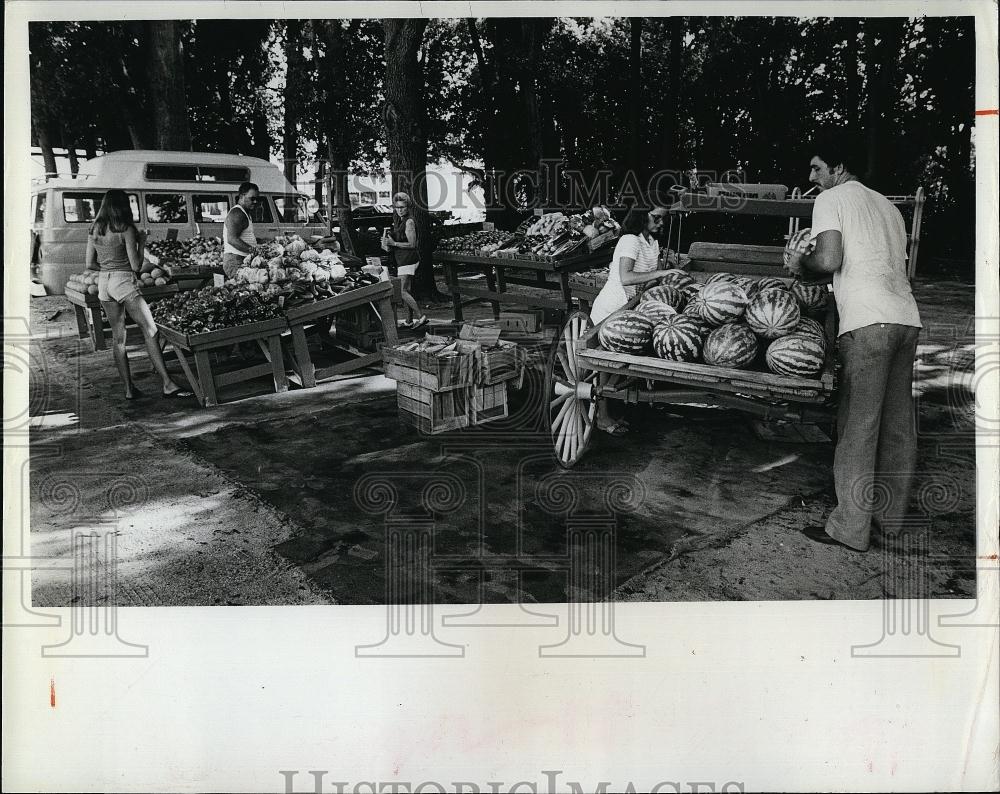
(166, 208)
(83, 207)
(210, 208)
(40, 207)
(291, 209)
(261, 212)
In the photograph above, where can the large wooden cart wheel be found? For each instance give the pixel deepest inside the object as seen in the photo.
(571, 401)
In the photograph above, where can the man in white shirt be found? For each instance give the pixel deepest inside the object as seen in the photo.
(238, 238)
(860, 239)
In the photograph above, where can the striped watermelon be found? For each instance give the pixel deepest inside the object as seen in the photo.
(626, 332)
(692, 290)
(721, 302)
(767, 282)
(773, 313)
(656, 310)
(679, 338)
(810, 327)
(812, 297)
(796, 354)
(798, 242)
(676, 278)
(730, 345)
(721, 277)
(665, 294)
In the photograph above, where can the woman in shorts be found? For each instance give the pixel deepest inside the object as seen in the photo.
(114, 248)
(401, 242)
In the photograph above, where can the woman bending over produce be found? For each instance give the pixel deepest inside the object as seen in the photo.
(634, 262)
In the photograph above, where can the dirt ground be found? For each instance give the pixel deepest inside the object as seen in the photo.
(312, 496)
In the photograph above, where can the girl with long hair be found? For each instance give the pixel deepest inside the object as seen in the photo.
(114, 248)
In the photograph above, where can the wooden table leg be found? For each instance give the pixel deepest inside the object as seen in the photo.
(566, 292)
(388, 313)
(191, 379)
(206, 377)
(277, 363)
(491, 285)
(97, 327)
(451, 269)
(81, 321)
(303, 361)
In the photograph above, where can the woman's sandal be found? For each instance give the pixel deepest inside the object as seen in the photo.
(179, 393)
(136, 394)
(619, 428)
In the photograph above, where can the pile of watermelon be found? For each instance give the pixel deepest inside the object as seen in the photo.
(729, 321)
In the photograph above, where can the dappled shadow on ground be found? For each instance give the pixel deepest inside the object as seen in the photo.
(511, 530)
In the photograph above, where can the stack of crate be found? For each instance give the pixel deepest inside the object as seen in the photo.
(444, 384)
(433, 382)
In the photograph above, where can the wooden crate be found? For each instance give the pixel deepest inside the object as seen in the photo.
(433, 411)
(500, 364)
(429, 370)
(488, 403)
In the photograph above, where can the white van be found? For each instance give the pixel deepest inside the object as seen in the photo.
(173, 194)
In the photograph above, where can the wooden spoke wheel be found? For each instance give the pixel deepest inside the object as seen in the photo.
(570, 394)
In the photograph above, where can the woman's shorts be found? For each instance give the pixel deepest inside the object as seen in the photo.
(116, 286)
(407, 270)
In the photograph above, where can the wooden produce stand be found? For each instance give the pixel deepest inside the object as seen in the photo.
(301, 318)
(205, 380)
(90, 316)
(553, 275)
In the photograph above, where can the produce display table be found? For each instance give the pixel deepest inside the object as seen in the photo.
(90, 316)
(300, 318)
(499, 271)
(205, 381)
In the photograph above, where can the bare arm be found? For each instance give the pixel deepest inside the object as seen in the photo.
(826, 258)
(411, 236)
(236, 224)
(629, 277)
(91, 255)
(133, 247)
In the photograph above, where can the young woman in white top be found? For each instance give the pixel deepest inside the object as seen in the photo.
(634, 262)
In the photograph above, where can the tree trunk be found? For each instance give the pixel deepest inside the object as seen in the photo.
(487, 81)
(881, 70)
(70, 146)
(670, 154)
(852, 74)
(294, 85)
(166, 86)
(406, 137)
(45, 144)
(339, 164)
(318, 185)
(634, 95)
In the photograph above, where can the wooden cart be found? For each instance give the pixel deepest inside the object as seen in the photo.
(580, 372)
(552, 275)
